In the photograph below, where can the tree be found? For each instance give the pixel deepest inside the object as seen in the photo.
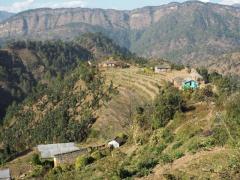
(168, 102)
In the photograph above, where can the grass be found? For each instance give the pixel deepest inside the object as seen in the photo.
(134, 90)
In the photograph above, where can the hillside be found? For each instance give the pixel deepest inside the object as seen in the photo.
(61, 112)
(24, 64)
(22, 68)
(225, 64)
(171, 133)
(188, 32)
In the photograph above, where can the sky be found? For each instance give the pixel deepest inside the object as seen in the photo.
(21, 5)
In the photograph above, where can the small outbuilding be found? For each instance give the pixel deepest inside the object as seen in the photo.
(5, 174)
(117, 142)
(113, 144)
(162, 68)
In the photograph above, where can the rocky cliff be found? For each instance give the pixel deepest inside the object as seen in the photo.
(186, 32)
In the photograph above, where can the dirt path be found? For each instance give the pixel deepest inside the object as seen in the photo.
(206, 118)
(183, 162)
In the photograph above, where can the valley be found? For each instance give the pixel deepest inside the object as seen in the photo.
(188, 141)
(144, 93)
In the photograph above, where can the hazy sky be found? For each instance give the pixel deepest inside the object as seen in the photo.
(20, 5)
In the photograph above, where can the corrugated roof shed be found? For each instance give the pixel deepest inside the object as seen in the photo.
(5, 174)
(50, 150)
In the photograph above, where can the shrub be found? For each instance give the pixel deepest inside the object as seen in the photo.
(203, 94)
(97, 155)
(166, 158)
(178, 155)
(37, 171)
(167, 136)
(82, 161)
(170, 177)
(124, 173)
(220, 135)
(145, 165)
(36, 160)
(177, 145)
(193, 147)
(167, 104)
(123, 136)
(158, 148)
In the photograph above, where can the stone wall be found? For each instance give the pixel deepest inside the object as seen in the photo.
(68, 158)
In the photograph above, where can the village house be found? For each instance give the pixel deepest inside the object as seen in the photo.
(193, 80)
(5, 174)
(186, 83)
(116, 143)
(113, 64)
(162, 68)
(190, 84)
(65, 153)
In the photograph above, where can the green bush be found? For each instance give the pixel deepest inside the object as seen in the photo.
(145, 165)
(37, 171)
(167, 136)
(178, 155)
(203, 94)
(36, 159)
(158, 149)
(220, 135)
(201, 143)
(177, 144)
(166, 158)
(97, 155)
(82, 161)
(125, 173)
(168, 102)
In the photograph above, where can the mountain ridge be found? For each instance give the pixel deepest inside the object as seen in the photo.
(189, 32)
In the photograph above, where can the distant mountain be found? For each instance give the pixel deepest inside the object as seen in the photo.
(236, 5)
(5, 15)
(188, 32)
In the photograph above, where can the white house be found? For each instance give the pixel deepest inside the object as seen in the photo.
(5, 174)
(114, 144)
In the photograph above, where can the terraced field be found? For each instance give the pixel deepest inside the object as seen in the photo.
(135, 88)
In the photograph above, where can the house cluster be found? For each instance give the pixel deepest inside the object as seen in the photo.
(66, 153)
(192, 81)
(113, 64)
(184, 81)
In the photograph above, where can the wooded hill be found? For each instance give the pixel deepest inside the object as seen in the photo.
(24, 64)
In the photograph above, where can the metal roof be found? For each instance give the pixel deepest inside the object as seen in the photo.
(5, 174)
(50, 150)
